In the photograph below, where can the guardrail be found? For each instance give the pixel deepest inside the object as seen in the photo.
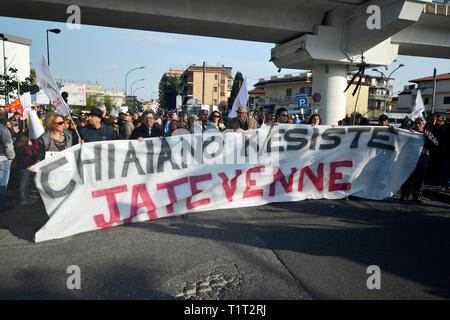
(437, 8)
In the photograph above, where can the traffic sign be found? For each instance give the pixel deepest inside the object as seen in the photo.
(317, 97)
(302, 100)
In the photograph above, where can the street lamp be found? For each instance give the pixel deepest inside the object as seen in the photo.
(2, 36)
(127, 76)
(136, 89)
(134, 83)
(387, 79)
(48, 51)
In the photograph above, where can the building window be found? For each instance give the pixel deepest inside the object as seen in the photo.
(426, 101)
(301, 90)
(215, 77)
(446, 100)
(215, 89)
(288, 92)
(215, 102)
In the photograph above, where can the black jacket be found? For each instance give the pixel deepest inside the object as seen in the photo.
(90, 134)
(142, 132)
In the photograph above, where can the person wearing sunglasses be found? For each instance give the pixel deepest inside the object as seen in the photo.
(216, 119)
(242, 122)
(55, 138)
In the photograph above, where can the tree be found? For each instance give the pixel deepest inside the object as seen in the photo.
(169, 92)
(237, 83)
(12, 82)
(107, 100)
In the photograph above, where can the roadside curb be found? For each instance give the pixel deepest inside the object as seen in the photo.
(436, 193)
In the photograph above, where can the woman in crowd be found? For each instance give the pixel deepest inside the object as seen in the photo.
(55, 138)
(26, 156)
(315, 120)
(173, 125)
(216, 119)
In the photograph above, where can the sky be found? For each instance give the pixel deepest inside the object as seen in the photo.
(104, 55)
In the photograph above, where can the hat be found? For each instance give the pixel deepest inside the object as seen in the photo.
(96, 112)
(383, 117)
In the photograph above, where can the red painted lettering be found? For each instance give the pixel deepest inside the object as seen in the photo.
(193, 181)
(229, 190)
(338, 176)
(316, 180)
(170, 186)
(114, 213)
(279, 176)
(250, 183)
(141, 190)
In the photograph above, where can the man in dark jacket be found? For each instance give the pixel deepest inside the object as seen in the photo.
(7, 154)
(148, 128)
(96, 130)
(415, 181)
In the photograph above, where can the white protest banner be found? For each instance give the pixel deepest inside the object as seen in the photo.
(44, 78)
(25, 99)
(419, 107)
(241, 99)
(36, 128)
(103, 184)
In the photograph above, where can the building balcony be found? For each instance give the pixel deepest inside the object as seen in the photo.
(379, 97)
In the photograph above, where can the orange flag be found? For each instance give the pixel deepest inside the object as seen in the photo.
(17, 105)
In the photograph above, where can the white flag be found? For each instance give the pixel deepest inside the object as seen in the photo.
(44, 78)
(419, 107)
(241, 100)
(36, 129)
(25, 100)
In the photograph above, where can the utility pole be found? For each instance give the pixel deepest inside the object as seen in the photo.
(4, 68)
(203, 90)
(434, 91)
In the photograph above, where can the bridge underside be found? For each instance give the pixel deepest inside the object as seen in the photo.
(327, 36)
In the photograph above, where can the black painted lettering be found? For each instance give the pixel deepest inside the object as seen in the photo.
(165, 155)
(276, 135)
(358, 131)
(289, 136)
(328, 135)
(45, 173)
(150, 154)
(312, 146)
(111, 159)
(131, 158)
(97, 161)
(376, 135)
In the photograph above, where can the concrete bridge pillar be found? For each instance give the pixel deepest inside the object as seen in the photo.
(329, 82)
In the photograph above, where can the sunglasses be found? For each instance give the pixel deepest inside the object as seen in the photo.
(216, 116)
(241, 112)
(59, 123)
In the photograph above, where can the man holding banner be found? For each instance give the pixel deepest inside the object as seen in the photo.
(415, 181)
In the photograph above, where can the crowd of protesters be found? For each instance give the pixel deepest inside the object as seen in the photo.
(18, 153)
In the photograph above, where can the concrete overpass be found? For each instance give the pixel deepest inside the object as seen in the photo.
(326, 36)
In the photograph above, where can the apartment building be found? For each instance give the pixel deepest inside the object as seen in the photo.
(407, 98)
(210, 85)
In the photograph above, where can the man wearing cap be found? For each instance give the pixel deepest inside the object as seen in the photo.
(96, 130)
(415, 181)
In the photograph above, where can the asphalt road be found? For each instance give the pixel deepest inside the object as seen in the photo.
(317, 249)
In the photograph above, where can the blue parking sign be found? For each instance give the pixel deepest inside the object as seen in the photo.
(302, 101)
